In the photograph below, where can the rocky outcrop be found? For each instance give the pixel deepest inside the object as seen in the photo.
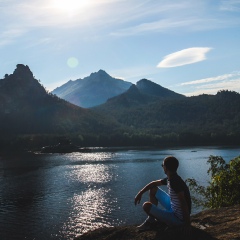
(222, 223)
(217, 224)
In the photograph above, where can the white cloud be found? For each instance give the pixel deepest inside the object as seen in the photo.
(232, 85)
(184, 57)
(212, 79)
(213, 85)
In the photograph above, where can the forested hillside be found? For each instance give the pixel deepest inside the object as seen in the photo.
(204, 119)
(27, 110)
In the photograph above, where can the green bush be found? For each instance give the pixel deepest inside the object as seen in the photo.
(223, 189)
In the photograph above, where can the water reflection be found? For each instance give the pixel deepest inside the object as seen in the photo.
(91, 157)
(90, 210)
(91, 207)
(98, 173)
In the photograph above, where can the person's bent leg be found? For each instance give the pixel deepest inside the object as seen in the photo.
(167, 217)
(163, 198)
(147, 207)
(150, 221)
(154, 197)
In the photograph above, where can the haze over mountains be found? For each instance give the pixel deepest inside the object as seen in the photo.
(97, 88)
(92, 90)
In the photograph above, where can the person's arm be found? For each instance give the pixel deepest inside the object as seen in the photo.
(147, 188)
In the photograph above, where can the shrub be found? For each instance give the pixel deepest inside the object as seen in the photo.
(223, 189)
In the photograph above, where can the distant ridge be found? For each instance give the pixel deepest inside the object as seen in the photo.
(92, 90)
(144, 92)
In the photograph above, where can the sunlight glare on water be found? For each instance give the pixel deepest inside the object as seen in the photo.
(97, 173)
(89, 209)
(91, 206)
(90, 157)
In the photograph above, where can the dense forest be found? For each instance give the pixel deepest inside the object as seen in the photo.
(31, 117)
(204, 119)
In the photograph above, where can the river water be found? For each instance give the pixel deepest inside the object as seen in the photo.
(61, 196)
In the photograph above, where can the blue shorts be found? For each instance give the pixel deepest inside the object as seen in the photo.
(165, 215)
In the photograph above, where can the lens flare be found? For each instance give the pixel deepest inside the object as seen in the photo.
(72, 62)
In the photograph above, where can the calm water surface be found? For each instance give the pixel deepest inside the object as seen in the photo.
(61, 196)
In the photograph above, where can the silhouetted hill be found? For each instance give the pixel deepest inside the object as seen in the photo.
(148, 87)
(92, 90)
(132, 97)
(26, 108)
(144, 92)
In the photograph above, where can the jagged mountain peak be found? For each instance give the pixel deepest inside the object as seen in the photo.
(23, 71)
(100, 74)
(22, 83)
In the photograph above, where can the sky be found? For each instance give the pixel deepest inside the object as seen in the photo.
(189, 46)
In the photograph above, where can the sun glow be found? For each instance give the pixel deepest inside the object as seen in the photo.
(70, 6)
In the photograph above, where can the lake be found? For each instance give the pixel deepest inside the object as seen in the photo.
(61, 196)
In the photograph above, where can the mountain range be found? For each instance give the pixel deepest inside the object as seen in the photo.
(144, 114)
(92, 90)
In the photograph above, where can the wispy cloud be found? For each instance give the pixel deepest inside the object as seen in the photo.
(214, 84)
(230, 5)
(213, 79)
(9, 36)
(127, 17)
(184, 57)
(172, 16)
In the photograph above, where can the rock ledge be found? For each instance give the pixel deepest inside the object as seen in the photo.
(218, 224)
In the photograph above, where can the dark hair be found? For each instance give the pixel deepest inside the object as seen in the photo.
(171, 163)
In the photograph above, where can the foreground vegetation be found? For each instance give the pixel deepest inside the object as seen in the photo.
(223, 189)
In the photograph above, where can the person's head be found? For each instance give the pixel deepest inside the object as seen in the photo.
(171, 164)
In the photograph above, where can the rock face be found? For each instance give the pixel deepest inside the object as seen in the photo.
(217, 224)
